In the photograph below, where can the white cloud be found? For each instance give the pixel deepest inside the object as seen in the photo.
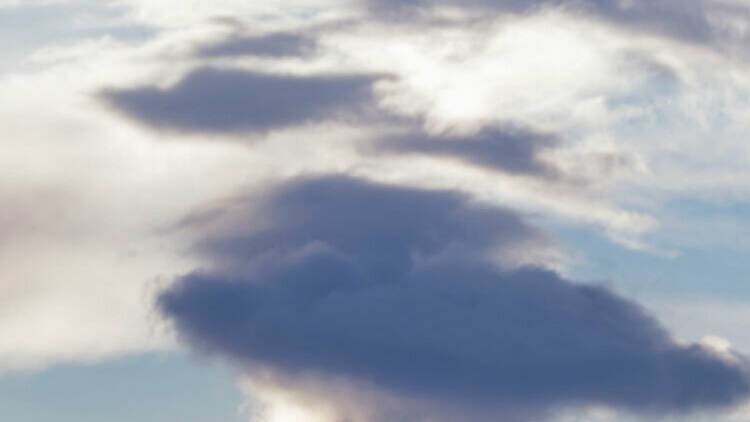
(525, 70)
(277, 397)
(84, 199)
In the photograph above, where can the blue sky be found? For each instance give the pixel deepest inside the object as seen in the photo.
(374, 210)
(151, 387)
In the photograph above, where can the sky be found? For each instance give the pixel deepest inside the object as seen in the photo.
(375, 210)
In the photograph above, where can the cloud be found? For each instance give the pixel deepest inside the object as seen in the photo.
(396, 288)
(510, 150)
(228, 101)
(278, 44)
(382, 226)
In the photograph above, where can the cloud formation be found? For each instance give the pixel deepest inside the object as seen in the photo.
(396, 287)
(211, 100)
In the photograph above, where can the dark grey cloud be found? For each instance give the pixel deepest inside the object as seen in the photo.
(509, 150)
(677, 18)
(392, 286)
(280, 44)
(383, 226)
(214, 100)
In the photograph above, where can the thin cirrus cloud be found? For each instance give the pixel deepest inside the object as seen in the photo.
(509, 150)
(212, 100)
(394, 287)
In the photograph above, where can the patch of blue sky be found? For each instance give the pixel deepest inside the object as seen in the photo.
(147, 388)
(715, 272)
(25, 29)
(648, 104)
(690, 207)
